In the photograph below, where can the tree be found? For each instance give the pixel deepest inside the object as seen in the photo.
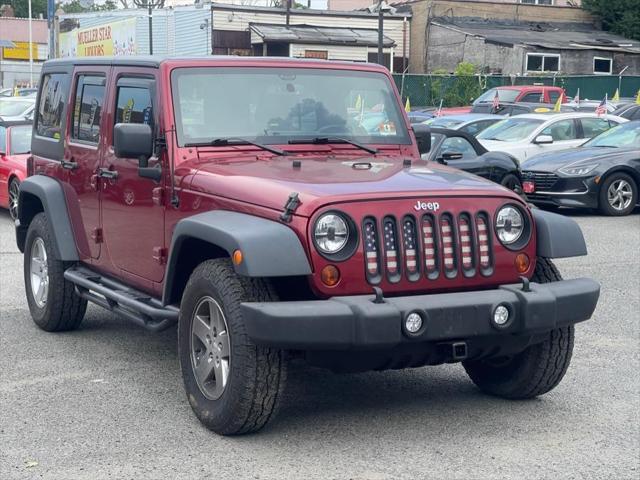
(74, 7)
(21, 8)
(618, 16)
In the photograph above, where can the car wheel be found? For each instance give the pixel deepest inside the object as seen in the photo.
(14, 195)
(511, 182)
(536, 370)
(618, 194)
(233, 386)
(52, 300)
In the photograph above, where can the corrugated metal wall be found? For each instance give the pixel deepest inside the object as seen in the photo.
(190, 39)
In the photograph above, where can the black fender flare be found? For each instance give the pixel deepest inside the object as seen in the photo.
(269, 248)
(50, 194)
(557, 236)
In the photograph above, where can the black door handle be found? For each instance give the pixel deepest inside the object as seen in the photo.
(106, 173)
(69, 164)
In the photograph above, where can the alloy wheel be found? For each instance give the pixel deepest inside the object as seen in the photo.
(620, 194)
(210, 348)
(14, 194)
(39, 273)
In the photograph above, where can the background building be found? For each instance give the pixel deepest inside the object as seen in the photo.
(14, 62)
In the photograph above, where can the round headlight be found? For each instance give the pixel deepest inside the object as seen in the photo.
(509, 225)
(331, 233)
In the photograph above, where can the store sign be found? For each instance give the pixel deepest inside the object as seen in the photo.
(109, 39)
(21, 51)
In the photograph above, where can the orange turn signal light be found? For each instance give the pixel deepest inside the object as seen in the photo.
(330, 275)
(237, 257)
(522, 262)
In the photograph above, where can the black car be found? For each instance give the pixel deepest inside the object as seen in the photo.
(630, 112)
(603, 173)
(518, 108)
(461, 150)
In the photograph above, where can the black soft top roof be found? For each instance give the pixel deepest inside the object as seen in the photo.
(13, 123)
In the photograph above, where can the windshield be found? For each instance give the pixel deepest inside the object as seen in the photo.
(443, 122)
(277, 105)
(503, 95)
(625, 135)
(511, 130)
(13, 108)
(21, 139)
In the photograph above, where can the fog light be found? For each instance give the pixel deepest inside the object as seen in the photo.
(413, 322)
(330, 275)
(501, 315)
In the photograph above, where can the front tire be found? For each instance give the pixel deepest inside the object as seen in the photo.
(14, 195)
(618, 195)
(511, 182)
(233, 386)
(52, 300)
(536, 370)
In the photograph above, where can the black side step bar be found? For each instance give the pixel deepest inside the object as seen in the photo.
(140, 308)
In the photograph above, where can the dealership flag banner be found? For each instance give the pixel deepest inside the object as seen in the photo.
(109, 39)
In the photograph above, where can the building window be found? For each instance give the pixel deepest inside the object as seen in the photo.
(321, 54)
(537, 2)
(602, 65)
(543, 62)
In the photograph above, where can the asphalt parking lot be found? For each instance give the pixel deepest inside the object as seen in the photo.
(107, 401)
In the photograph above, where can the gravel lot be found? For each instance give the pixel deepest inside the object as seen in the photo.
(106, 401)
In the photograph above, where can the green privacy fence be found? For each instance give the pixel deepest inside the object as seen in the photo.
(428, 90)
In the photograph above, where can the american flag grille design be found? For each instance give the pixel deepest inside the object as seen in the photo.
(390, 246)
(464, 229)
(371, 247)
(431, 246)
(410, 245)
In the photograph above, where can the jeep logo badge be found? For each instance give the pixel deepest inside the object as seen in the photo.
(431, 206)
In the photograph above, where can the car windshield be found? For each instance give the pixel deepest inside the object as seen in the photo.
(443, 122)
(503, 95)
(625, 135)
(511, 129)
(278, 105)
(21, 139)
(14, 108)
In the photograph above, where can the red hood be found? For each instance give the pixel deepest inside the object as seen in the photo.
(321, 180)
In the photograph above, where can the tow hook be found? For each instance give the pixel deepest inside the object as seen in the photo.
(456, 351)
(379, 295)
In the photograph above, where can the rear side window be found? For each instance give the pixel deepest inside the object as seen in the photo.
(55, 87)
(533, 97)
(594, 126)
(554, 95)
(87, 110)
(134, 106)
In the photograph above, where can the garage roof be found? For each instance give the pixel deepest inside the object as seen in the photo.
(318, 35)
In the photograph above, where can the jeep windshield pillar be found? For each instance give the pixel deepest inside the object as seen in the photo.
(269, 208)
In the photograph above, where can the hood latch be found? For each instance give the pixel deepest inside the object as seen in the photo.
(290, 207)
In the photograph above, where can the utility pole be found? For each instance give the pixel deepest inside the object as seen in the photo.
(30, 48)
(380, 34)
(51, 18)
(149, 5)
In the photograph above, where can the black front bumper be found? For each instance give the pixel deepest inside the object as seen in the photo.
(356, 322)
(573, 192)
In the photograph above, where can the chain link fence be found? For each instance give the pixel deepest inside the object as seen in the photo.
(429, 90)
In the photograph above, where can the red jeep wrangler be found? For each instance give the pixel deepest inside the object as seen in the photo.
(250, 202)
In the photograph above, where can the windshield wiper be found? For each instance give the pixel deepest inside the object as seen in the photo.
(223, 142)
(326, 140)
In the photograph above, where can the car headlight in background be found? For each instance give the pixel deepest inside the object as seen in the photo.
(331, 233)
(510, 224)
(578, 171)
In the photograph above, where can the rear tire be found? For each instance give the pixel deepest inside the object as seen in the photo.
(52, 300)
(242, 389)
(534, 371)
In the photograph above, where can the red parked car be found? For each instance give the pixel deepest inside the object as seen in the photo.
(15, 145)
(248, 202)
(514, 94)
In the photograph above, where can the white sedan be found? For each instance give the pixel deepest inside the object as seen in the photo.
(524, 136)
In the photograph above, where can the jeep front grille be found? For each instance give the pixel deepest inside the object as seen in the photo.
(427, 247)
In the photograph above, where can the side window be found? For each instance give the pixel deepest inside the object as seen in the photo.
(3, 139)
(562, 130)
(87, 110)
(594, 126)
(533, 97)
(133, 105)
(55, 87)
(636, 114)
(554, 96)
(458, 145)
(476, 127)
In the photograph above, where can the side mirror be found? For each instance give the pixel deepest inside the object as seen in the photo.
(543, 140)
(452, 156)
(133, 140)
(423, 137)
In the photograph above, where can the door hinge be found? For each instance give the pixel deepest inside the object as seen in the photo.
(96, 235)
(157, 196)
(160, 255)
